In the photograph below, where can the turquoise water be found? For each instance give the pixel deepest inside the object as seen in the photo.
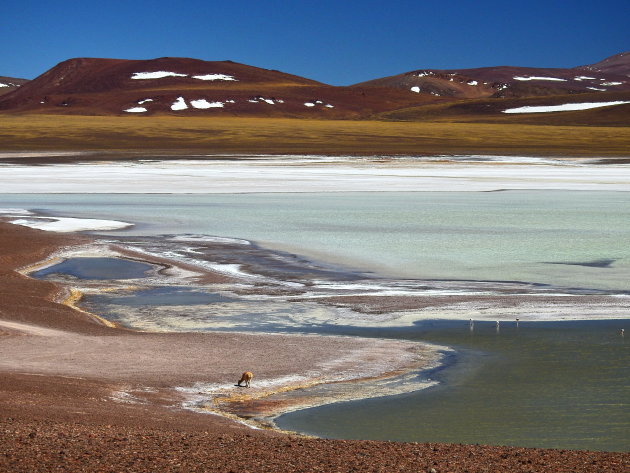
(563, 238)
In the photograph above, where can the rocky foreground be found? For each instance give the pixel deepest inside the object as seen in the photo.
(70, 447)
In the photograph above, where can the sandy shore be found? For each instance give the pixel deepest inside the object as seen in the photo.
(80, 396)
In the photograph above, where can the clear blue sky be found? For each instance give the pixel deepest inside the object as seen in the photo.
(337, 42)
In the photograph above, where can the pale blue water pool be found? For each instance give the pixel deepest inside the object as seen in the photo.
(562, 238)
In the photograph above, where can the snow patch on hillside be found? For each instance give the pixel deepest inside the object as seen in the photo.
(611, 83)
(562, 108)
(538, 78)
(179, 104)
(584, 78)
(163, 74)
(156, 75)
(260, 99)
(136, 110)
(314, 103)
(415, 89)
(214, 77)
(204, 104)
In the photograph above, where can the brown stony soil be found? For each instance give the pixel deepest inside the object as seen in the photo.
(52, 423)
(46, 447)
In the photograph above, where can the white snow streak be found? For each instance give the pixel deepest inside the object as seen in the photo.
(214, 77)
(539, 78)
(562, 108)
(162, 74)
(203, 104)
(415, 89)
(156, 75)
(136, 110)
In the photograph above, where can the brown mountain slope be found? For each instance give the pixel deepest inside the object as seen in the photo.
(9, 84)
(511, 81)
(489, 110)
(617, 64)
(182, 86)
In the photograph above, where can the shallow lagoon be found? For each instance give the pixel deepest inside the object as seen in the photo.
(96, 269)
(544, 384)
(572, 239)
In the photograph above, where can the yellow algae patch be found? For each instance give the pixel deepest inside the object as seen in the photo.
(74, 297)
(240, 397)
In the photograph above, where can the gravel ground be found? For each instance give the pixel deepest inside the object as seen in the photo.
(45, 447)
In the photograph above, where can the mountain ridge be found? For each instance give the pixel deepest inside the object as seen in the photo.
(608, 75)
(184, 85)
(188, 86)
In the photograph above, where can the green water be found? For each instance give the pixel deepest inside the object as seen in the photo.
(551, 237)
(543, 384)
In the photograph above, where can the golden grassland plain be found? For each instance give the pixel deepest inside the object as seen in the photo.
(34, 132)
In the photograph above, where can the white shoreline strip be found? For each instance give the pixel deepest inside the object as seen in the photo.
(313, 174)
(68, 224)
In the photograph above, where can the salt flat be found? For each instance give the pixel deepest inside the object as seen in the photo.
(314, 174)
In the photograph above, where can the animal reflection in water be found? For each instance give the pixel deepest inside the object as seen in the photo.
(246, 378)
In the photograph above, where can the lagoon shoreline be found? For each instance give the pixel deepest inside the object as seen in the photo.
(75, 413)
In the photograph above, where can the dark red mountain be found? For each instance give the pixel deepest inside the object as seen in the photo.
(185, 86)
(192, 87)
(618, 64)
(609, 75)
